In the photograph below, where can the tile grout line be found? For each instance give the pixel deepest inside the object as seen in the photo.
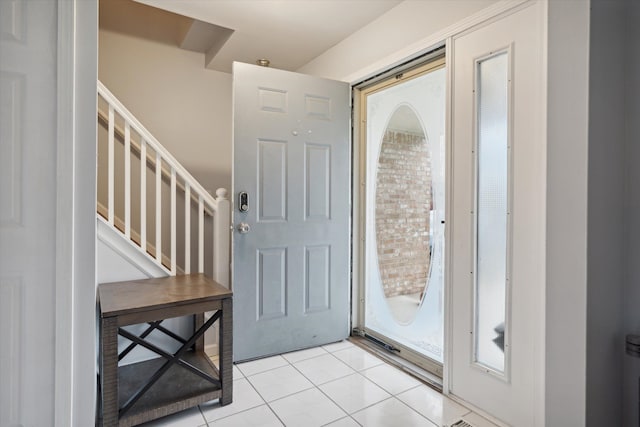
(265, 401)
(287, 395)
(391, 395)
(208, 423)
(358, 372)
(317, 386)
(268, 404)
(413, 410)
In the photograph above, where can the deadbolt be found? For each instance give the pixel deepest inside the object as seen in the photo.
(243, 201)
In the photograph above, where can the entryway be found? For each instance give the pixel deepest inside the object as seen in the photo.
(471, 280)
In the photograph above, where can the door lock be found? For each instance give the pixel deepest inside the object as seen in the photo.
(243, 201)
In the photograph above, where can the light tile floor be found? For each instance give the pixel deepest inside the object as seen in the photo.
(338, 385)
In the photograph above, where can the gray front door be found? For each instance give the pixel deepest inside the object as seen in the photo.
(291, 259)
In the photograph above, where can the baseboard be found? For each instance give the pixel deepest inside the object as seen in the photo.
(212, 350)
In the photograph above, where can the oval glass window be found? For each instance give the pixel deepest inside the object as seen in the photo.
(404, 204)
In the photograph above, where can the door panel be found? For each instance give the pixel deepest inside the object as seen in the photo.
(498, 185)
(272, 178)
(292, 158)
(27, 211)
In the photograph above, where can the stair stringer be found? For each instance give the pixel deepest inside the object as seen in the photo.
(128, 251)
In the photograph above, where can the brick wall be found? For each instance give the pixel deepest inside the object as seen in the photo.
(403, 203)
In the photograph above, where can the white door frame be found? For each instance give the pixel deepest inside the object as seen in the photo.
(443, 37)
(75, 305)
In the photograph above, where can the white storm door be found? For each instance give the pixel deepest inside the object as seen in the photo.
(28, 37)
(498, 227)
(292, 160)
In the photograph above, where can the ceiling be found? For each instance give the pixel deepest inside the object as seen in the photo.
(289, 33)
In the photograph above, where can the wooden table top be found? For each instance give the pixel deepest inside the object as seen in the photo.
(149, 294)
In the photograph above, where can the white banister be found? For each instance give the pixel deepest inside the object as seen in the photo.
(143, 195)
(158, 207)
(173, 221)
(127, 180)
(200, 235)
(153, 142)
(111, 166)
(155, 159)
(187, 228)
(221, 238)
(151, 161)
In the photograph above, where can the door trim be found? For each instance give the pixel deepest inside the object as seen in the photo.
(433, 41)
(75, 280)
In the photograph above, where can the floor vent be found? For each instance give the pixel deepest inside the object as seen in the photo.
(460, 423)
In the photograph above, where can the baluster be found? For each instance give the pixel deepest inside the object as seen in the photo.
(187, 228)
(143, 195)
(127, 180)
(200, 234)
(173, 221)
(111, 166)
(158, 207)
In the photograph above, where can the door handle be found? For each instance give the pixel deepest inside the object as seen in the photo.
(243, 228)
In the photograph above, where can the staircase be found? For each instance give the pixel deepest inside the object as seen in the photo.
(154, 219)
(148, 198)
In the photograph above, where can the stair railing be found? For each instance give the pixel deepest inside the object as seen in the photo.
(168, 168)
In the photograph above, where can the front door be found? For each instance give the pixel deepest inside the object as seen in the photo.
(498, 229)
(291, 189)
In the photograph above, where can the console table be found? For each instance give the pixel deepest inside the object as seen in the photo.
(140, 392)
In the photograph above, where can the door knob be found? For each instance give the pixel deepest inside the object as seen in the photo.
(243, 228)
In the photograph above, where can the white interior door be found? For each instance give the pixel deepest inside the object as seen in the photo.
(498, 227)
(291, 259)
(28, 35)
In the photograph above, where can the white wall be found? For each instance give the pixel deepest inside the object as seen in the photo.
(567, 153)
(377, 45)
(631, 294)
(607, 220)
(185, 106)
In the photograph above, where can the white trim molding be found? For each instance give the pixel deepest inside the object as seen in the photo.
(75, 303)
(63, 373)
(433, 41)
(140, 260)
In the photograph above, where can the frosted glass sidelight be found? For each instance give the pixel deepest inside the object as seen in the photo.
(492, 200)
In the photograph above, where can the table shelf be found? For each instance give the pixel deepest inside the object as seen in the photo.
(176, 390)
